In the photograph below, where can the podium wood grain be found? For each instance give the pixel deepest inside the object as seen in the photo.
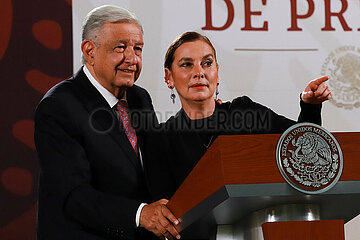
(248, 159)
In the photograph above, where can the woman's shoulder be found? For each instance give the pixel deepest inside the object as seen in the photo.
(242, 100)
(238, 102)
(242, 103)
(173, 121)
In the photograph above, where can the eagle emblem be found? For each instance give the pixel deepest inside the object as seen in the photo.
(309, 157)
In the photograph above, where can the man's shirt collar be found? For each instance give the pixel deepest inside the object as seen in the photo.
(109, 97)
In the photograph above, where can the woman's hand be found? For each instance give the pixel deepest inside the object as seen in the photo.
(317, 91)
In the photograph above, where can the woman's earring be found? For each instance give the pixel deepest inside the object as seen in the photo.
(217, 92)
(172, 95)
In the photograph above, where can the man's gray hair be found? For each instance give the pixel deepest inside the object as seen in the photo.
(97, 17)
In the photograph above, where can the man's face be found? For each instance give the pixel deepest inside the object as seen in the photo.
(116, 58)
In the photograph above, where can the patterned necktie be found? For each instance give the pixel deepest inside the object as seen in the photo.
(129, 130)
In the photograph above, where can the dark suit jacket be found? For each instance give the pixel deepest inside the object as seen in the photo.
(91, 180)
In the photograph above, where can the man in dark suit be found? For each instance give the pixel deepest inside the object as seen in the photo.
(92, 174)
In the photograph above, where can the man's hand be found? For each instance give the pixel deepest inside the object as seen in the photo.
(157, 218)
(317, 91)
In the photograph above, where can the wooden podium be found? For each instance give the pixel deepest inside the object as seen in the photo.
(238, 175)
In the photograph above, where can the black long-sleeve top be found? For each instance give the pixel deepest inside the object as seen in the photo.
(181, 142)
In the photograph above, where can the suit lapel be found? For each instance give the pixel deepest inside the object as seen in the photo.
(140, 111)
(101, 113)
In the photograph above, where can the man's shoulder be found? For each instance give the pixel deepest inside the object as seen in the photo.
(138, 90)
(138, 97)
(63, 92)
(65, 87)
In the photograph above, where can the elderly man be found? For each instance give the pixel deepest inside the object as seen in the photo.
(92, 178)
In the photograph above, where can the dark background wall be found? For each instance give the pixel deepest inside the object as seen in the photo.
(35, 54)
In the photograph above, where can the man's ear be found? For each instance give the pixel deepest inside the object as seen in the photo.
(88, 49)
(168, 78)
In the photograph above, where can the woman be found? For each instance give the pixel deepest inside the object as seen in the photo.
(191, 68)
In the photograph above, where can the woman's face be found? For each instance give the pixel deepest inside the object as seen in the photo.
(194, 71)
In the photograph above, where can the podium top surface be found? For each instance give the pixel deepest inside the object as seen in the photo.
(241, 170)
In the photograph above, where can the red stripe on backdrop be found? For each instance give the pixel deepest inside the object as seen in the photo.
(35, 54)
(22, 227)
(5, 25)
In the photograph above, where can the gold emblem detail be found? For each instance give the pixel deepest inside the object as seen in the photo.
(343, 67)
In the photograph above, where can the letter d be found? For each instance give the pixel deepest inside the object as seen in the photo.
(208, 13)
